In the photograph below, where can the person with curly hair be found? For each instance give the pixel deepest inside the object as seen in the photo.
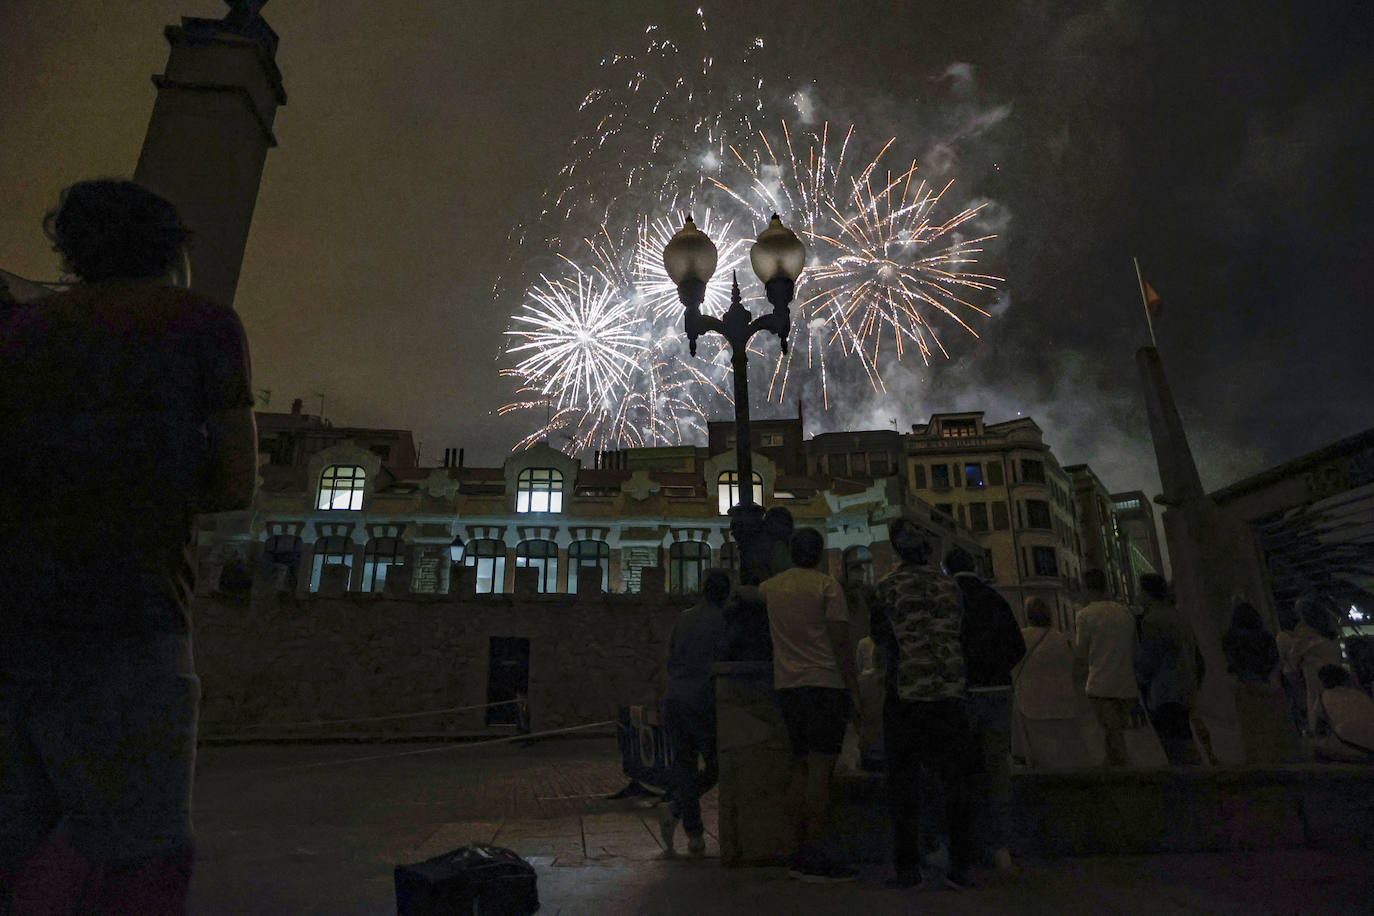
(127, 410)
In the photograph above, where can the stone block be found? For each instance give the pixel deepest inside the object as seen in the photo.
(333, 580)
(589, 585)
(397, 584)
(527, 582)
(653, 580)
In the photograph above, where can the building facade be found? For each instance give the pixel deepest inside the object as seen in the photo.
(347, 510)
(1099, 535)
(1135, 519)
(1002, 482)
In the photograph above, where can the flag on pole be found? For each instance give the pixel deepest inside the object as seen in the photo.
(1152, 300)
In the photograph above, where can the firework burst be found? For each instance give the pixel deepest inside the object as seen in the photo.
(882, 263)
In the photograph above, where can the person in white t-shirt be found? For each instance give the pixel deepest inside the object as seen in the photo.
(815, 680)
(1104, 664)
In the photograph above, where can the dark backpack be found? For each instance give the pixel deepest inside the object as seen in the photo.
(481, 880)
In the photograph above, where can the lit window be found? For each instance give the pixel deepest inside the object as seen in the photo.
(380, 556)
(973, 475)
(687, 561)
(539, 490)
(331, 551)
(727, 490)
(958, 429)
(341, 487)
(543, 556)
(487, 557)
(858, 566)
(589, 558)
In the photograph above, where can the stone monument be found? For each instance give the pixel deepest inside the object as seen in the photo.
(209, 134)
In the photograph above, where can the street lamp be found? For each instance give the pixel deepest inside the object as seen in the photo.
(778, 257)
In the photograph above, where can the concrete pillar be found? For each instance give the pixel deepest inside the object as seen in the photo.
(209, 135)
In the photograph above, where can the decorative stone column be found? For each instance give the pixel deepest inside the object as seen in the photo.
(209, 134)
(755, 759)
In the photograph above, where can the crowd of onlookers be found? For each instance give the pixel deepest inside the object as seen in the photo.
(942, 683)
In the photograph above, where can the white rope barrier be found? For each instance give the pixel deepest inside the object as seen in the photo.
(399, 715)
(437, 750)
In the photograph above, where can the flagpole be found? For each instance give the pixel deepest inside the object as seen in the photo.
(1140, 280)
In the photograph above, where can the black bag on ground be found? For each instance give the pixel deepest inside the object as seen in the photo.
(476, 880)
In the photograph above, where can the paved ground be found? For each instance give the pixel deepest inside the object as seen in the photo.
(280, 833)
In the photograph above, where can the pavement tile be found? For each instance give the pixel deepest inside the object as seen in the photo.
(447, 837)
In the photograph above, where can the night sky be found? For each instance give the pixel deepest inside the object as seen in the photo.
(1227, 145)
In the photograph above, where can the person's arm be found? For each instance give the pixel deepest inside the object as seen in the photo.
(227, 396)
(837, 630)
(233, 440)
(1081, 647)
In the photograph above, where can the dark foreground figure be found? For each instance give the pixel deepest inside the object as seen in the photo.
(127, 410)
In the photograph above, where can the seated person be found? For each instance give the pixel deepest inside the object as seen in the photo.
(1343, 717)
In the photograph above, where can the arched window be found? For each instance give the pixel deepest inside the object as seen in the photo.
(589, 558)
(729, 556)
(380, 556)
(687, 562)
(539, 490)
(341, 487)
(488, 558)
(333, 550)
(286, 550)
(727, 490)
(858, 566)
(543, 556)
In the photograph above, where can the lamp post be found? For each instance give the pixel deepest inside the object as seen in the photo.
(778, 257)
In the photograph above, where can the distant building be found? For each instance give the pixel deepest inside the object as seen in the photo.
(1135, 517)
(351, 504)
(1099, 537)
(1002, 482)
(1309, 525)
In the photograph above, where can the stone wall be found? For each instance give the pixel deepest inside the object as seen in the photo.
(268, 659)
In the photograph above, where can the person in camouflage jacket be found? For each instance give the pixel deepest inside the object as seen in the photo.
(916, 619)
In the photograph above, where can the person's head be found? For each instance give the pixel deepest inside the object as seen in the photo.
(1245, 617)
(1095, 581)
(807, 548)
(957, 560)
(909, 542)
(1155, 588)
(715, 588)
(777, 521)
(1037, 612)
(110, 229)
(1333, 676)
(1319, 614)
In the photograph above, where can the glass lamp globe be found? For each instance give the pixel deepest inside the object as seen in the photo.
(689, 255)
(778, 253)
